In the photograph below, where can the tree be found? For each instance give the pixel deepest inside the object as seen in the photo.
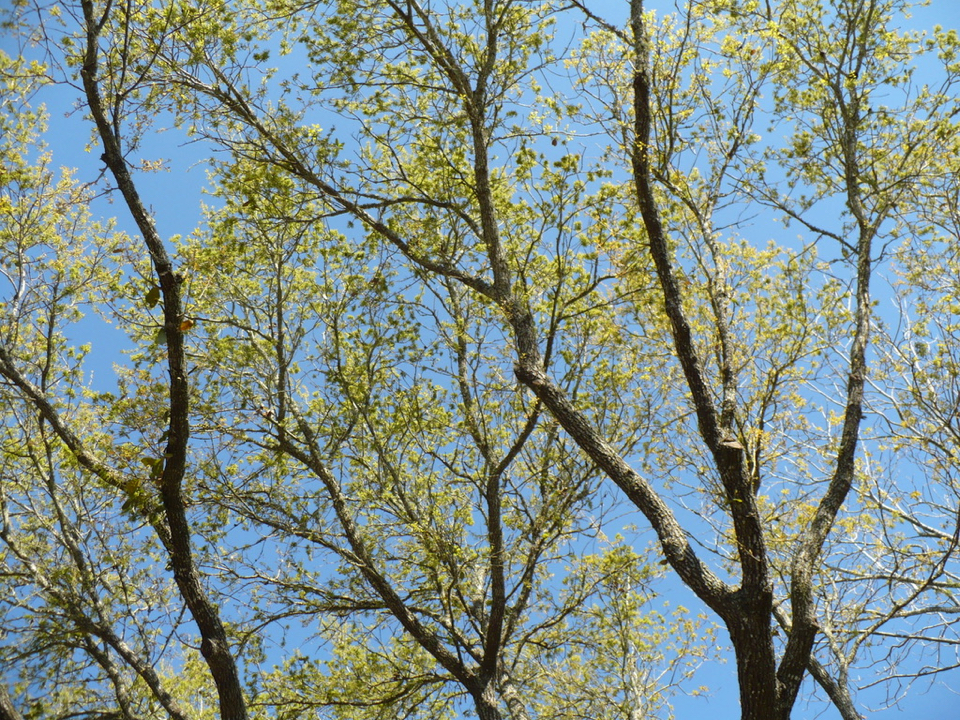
(403, 382)
(404, 534)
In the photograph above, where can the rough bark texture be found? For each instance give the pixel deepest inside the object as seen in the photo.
(752, 641)
(7, 709)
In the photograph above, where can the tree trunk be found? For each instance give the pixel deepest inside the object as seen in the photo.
(485, 699)
(752, 639)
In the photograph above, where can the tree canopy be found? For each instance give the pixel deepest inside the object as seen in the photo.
(501, 316)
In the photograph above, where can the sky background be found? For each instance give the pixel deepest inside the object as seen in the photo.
(175, 196)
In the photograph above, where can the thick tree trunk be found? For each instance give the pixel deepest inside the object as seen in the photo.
(752, 639)
(485, 700)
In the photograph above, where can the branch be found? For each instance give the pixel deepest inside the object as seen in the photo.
(673, 539)
(8, 710)
(727, 453)
(428, 640)
(215, 646)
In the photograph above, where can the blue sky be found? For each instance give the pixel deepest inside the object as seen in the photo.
(176, 198)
